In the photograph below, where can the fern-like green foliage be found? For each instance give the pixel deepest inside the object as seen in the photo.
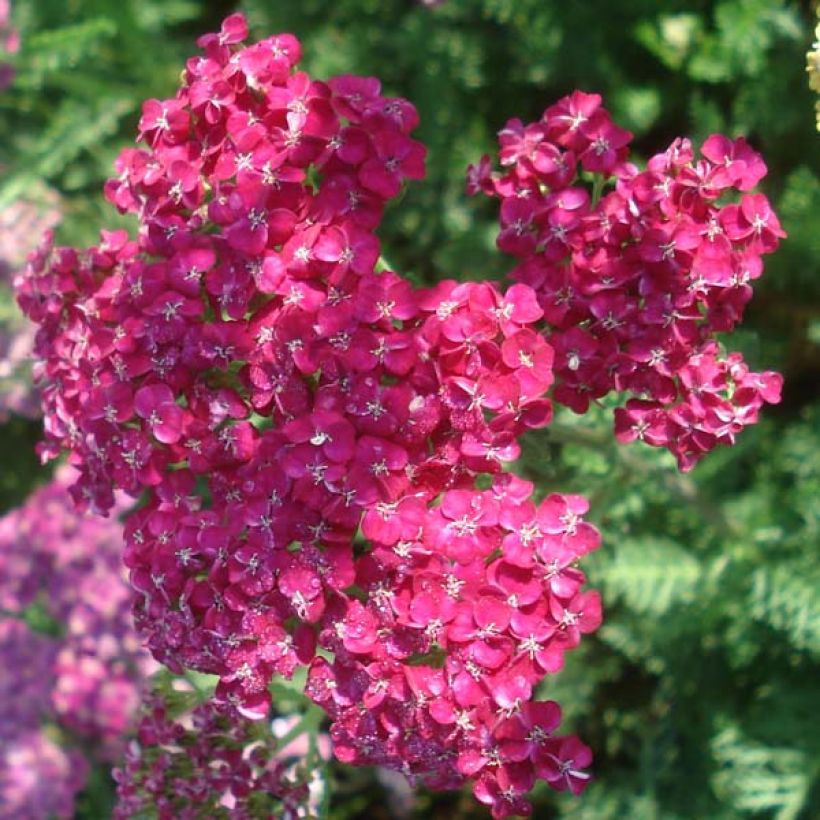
(757, 778)
(789, 601)
(50, 56)
(650, 575)
(82, 74)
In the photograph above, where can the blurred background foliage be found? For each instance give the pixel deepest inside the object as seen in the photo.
(700, 692)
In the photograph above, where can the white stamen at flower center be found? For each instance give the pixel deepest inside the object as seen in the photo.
(244, 162)
(379, 468)
(464, 525)
(256, 218)
(386, 510)
(303, 254)
(758, 224)
(463, 721)
(600, 145)
(529, 532)
(445, 309)
(526, 359)
(385, 308)
(531, 646)
(640, 428)
(657, 356)
(576, 121)
(375, 409)
(453, 585)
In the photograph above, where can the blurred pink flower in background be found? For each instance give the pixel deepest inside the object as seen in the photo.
(81, 683)
(9, 43)
(38, 778)
(22, 225)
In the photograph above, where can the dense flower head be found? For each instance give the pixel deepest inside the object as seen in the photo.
(636, 283)
(321, 447)
(206, 762)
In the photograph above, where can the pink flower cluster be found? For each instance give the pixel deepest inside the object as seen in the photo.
(635, 284)
(321, 448)
(39, 778)
(208, 763)
(26, 694)
(68, 566)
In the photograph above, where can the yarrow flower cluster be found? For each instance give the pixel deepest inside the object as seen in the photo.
(320, 446)
(206, 762)
(85, 682)
(635, 284)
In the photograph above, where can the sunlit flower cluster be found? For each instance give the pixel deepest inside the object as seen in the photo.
(321, 448)
(637, 271)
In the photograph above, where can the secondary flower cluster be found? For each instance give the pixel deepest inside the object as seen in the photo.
(86, 681)
(38, 777)
(635, 284)
(206, 762)
(320, 447)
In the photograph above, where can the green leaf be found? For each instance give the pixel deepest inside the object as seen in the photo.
(755, 777)
(650, 575)
(76, 126)
(786, 598)
(47, 53)
(671, 38)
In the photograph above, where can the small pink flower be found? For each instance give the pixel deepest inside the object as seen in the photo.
(164, 419)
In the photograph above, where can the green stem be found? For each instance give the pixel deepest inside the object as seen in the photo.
(597, 188)
(310, 722)
(383, 264)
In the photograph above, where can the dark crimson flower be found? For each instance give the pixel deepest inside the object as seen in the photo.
(397, 158)
(738, 166)
(562, 764)
(155, 403)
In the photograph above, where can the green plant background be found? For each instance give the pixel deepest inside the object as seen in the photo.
(699, 694)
